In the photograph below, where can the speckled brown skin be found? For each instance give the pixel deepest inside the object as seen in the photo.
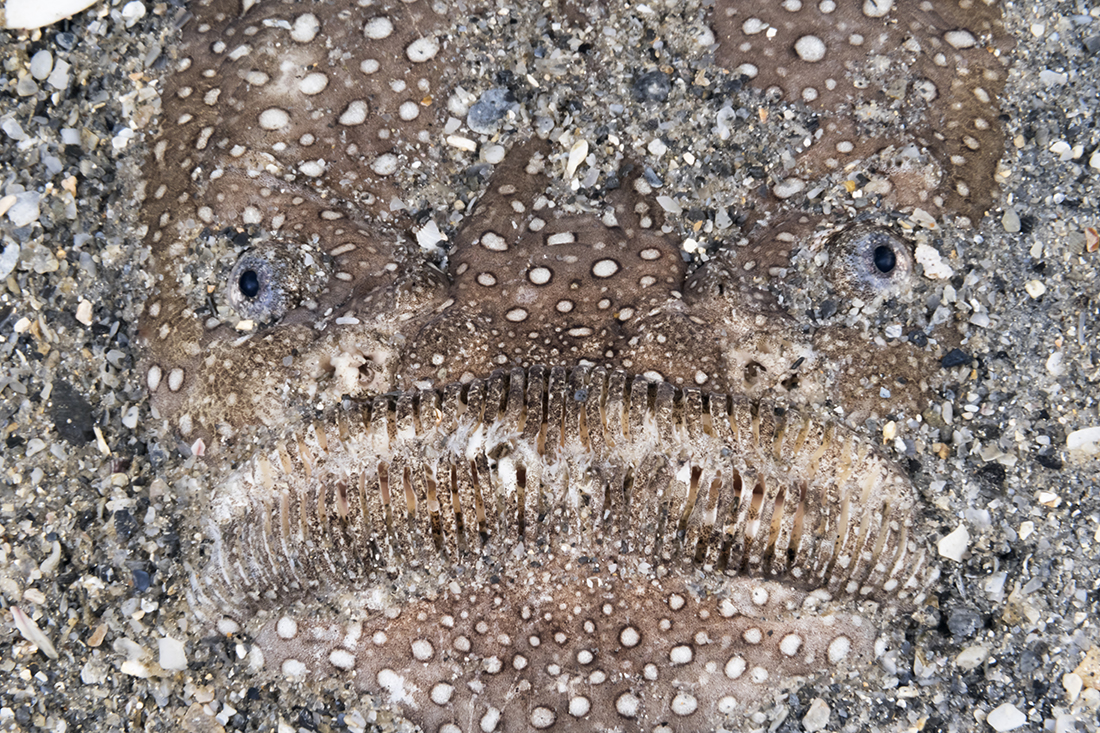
(558, 427)
(885, 74)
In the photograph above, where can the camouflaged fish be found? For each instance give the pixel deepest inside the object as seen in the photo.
(545, 476)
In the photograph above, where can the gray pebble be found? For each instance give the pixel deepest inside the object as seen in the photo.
(8, 259)
(1092, 44)
(652, 87)
(25, 209)
(41, 64)
(1052, 78)
(59, 77)
(963, 622)
(490, 109)
(26, 87)
(13, 129)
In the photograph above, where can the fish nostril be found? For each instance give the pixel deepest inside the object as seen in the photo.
(884, 259)
(249, 284)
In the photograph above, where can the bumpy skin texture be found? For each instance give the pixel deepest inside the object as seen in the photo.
(460, 481)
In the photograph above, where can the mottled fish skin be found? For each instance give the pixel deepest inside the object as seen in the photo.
(902, 76)
(552, 476)
(275, 136)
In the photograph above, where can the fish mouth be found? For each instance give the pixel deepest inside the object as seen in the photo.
(588, 461)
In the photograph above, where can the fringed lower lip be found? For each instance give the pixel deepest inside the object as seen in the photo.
(606, 464)
(549, 546)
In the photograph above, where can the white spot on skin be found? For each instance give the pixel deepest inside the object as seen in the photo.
(735, 667)
(684, 704)
(875, 8)
(152, 378)
(752, 26)
(354, 114)
(342, 659)
(790, 644)
(314, 83)
(385, 164)
(810, 49)
(286, 628)
(516, 315)
(960, 39)
(408, 111)
(490, 720)
(760, 596)
(493, 241)
(579, 706)
(293, 669)
(394, 685)
(682, 654)
(605, 268)
(274, 118)
(542, 718)
(378, 28)
(175, 379)
(422, 49)
(627, 705)
(759, 675)
(838, 649)
(486, 279)
(539, 275)
(441, 693)
(422, 650)
(305, 28)
(629, 637)
(560, 238)
(753, 636)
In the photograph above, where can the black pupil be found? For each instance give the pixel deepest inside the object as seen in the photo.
(884, 258)
(249, 283)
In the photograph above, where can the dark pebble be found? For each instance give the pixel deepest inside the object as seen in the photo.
(963, 622)
(71, 414)
(1092, 44)
(955, 357)
(1052, 462)
(125, 524)
(66, 40)
(918, 339)
(652, 87)
(652, 178)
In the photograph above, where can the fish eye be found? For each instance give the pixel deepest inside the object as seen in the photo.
(868, 260)
(249, 283)
(884, 259)
(271, 279)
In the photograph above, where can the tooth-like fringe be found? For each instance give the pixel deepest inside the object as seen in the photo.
(589, 457)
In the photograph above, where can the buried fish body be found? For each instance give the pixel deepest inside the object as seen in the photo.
(552, 475)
